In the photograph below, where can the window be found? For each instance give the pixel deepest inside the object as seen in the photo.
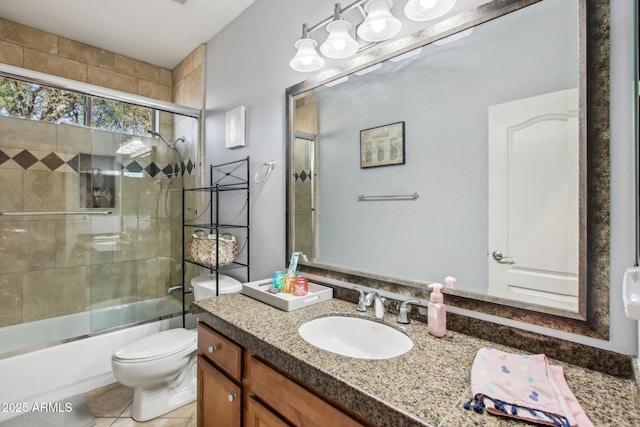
(43, 103)
(37, 102)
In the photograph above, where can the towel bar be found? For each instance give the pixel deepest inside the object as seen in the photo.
(413, 196)
(55, 213)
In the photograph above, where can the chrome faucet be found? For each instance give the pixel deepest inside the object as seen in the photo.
(403, 317)
(373, 297)
(361, 305)
(378, 303)
(173, 289)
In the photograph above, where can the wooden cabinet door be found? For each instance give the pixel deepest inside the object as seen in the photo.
(219, 398)
(257, 415)
(298, 406)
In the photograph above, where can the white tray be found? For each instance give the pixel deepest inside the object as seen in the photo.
(287, 302)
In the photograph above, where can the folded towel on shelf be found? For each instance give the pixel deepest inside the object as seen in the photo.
(525, 387)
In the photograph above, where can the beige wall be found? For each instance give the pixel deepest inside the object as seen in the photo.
(188, 89)
(37, 50)
(188, 80)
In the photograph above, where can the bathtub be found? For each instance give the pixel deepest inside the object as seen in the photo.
(32, 334)
(63, 370)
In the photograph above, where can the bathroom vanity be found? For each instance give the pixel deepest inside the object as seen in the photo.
(234, 384)
(255, 369)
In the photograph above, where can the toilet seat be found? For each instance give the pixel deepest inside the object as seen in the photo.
(157, 346)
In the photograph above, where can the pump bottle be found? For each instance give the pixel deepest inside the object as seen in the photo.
(437, 313)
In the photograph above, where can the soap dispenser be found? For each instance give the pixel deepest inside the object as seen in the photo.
(437, 313)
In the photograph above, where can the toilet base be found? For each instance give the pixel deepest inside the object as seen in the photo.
(154, 401)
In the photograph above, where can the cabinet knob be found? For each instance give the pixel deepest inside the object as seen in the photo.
(212, 348)
(232, 396)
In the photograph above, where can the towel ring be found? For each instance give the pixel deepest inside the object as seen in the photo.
(271, 165)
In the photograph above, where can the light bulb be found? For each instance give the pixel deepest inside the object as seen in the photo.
(380, 24)
(306, 59)
(339, 44)
(426, 10)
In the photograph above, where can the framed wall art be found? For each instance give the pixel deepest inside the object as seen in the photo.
(382, 146)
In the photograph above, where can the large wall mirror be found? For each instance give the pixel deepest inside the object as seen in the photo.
(466, 150)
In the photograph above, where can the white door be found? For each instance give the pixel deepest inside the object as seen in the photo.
(533, 200)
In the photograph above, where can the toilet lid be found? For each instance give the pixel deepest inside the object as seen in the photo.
(206, 283)
(157, 346)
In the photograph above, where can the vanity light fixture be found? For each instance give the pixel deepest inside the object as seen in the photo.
(406, 55)
(454, 37)
(339, 44)
(368, 70)
(337, 81)
(426, 10)
(379, 25)
(306, 59)
(133, 147)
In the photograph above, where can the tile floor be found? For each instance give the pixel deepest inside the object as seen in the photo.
(111, 406)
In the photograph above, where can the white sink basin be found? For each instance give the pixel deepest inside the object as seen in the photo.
(355, 337)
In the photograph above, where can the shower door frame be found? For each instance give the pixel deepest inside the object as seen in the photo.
(18, 73)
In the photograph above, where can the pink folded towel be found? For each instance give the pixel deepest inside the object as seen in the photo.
(524, 387)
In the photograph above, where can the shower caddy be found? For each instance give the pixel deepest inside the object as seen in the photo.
(225, 179)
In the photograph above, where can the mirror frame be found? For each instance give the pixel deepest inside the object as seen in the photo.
(592, 318)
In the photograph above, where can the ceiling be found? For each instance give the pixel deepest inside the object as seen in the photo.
(160, 32)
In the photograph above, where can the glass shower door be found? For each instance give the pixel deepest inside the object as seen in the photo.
(136, 250)
(90, 227)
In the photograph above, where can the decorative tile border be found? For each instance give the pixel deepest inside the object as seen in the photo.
(12, 158)
(302, 175)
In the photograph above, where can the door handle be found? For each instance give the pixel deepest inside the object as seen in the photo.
(497, 255)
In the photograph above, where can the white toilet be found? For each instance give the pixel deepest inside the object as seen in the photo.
(161, 368)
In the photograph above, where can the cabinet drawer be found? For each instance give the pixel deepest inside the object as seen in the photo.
(296, 404)
(221, 351)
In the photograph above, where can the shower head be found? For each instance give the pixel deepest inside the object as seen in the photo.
(179, 170)
(170, 145)
(157, 134)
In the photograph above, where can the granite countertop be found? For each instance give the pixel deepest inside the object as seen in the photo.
(426, 386)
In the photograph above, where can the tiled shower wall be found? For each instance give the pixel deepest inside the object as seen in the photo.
(56, 265)
(56, 277)
(37, 50)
